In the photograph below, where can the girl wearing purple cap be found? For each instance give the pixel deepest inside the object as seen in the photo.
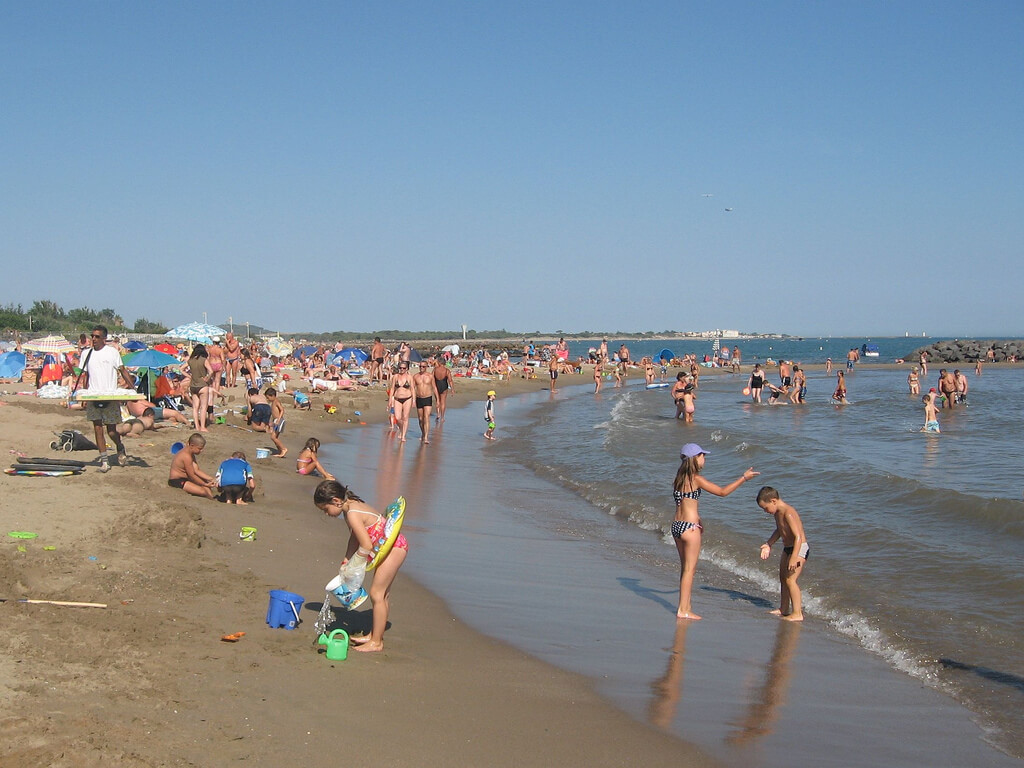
(686, 528)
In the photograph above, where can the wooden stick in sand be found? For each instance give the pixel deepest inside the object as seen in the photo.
(57, 602)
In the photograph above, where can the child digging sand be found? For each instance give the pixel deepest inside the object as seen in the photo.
(366, 534)
(794, 553)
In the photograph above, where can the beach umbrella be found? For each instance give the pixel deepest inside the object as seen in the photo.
(134, 345)
(153, 360)
(54, 345)
(351, 353)
(11, 365)
(305, 351)
(453, 348)
(170, 349)
(150, 358)
(278, 347)
(196, 332)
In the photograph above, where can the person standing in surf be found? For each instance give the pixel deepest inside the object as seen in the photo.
(686, 527)
(756, 383)
(795, 551)
(839, 396)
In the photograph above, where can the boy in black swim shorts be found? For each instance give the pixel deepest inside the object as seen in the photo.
(790, 529)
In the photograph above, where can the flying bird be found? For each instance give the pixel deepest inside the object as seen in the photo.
(708, 194)
(728, 209)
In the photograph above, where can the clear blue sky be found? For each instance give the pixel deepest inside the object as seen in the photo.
(519, 165)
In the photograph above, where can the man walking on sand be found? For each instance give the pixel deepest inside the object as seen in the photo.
(101, 366)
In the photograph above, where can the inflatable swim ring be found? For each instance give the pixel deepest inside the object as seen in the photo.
(393, 517)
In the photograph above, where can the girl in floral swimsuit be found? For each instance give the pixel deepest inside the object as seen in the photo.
(366, 532)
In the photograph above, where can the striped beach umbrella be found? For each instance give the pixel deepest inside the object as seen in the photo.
(54, 345)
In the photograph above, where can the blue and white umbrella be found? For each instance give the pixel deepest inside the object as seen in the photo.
(196, 332)
(348, 355)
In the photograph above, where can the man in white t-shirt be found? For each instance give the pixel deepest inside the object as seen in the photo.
(101, 366)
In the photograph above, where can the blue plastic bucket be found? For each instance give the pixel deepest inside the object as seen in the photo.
(280, 612)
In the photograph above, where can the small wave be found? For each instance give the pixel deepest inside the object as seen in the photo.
(646, 518)
(618, 410)
(602, 425)
(717, 436)
(848, 623)
(741, 447)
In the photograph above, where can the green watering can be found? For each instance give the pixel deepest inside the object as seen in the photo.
(337, 644)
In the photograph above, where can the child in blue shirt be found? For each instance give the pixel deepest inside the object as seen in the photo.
(235, 479)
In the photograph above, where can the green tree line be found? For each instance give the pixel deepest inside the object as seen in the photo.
(46, 316)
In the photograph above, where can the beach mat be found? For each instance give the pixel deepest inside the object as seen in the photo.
(50, 462)
(43, 473)
(45, 468)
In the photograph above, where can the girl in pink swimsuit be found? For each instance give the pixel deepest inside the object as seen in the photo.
(366, 531)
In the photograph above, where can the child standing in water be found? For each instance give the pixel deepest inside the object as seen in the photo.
(366, 534)
(931, 414)
(840, 394)
(687, 528)
(489, 415)
(794, 553)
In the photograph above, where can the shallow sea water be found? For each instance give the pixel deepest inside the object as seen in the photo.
(554, 538)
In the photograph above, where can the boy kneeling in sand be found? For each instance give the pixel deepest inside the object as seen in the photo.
(794, 554)
(185, 472)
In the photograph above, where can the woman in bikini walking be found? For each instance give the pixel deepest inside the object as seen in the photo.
(401, 397)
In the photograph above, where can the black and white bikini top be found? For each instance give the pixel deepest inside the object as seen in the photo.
(679, 495)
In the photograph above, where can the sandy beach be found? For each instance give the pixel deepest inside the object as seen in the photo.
(147, 680)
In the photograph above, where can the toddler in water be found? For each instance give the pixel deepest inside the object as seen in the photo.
(489, 415)
(794, 553)
(366, 534)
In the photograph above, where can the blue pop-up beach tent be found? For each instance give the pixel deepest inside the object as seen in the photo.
(666, 354)
(11, 364)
